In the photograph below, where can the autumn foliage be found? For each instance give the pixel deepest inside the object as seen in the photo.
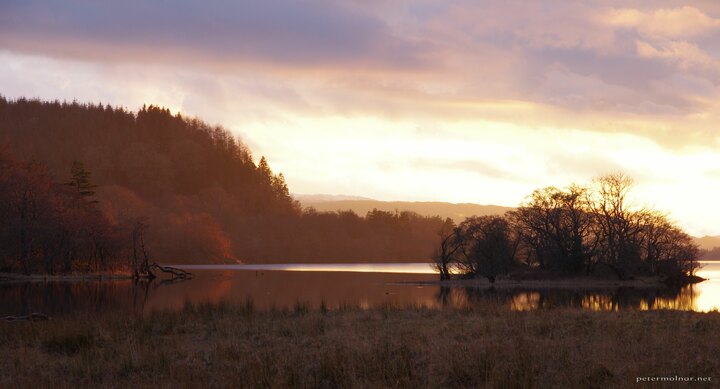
(198, 188)
(53, 228)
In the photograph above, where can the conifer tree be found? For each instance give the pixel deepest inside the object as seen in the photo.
(81, 181)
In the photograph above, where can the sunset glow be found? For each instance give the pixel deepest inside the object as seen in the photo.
(450, 101)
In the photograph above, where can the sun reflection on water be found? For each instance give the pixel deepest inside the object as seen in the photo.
(528, 301)
(707, 293)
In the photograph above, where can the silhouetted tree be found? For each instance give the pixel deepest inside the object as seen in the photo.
(555, 228)
(451, 243)
(575, 229)
(489, 247)
(140, 258)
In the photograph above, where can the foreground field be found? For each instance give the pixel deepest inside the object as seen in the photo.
(236, 346)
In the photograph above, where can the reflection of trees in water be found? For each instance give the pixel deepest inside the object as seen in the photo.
(444, 296)
(92, 297)
(547, 298)
(683, 299)
(58, 298)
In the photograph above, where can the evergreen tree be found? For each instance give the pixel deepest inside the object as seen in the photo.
(264, 169)
(81, 181)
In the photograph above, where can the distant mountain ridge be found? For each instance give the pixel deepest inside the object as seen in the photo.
(708, 242)
(712, 245)
(318, 198)
(456, 211)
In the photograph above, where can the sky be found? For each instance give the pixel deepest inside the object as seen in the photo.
(456, 100)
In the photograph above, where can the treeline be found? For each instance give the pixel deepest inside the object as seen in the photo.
(51, 228)
(199, 189)
(712, 254)
(573, 230)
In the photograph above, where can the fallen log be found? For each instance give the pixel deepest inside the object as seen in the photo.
(176, 273)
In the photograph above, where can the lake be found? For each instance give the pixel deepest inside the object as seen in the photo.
(335, 286)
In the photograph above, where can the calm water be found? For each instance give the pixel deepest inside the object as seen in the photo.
(362, 285)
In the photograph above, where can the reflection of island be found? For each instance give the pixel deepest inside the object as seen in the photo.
(523, 299)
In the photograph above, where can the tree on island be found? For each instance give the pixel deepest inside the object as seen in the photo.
(490, 246)
(450, 246)
(573, 230)
(555, 228)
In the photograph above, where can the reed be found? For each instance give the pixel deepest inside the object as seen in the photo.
(226, 345)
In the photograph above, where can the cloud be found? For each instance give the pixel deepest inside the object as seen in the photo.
(282, 32)
(645, 68)
(680, 22)
(686, 56)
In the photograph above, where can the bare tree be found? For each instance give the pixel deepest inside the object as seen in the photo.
(140, 259)
(573, 229)
(450, 243)
(555, 228)
(618, 226)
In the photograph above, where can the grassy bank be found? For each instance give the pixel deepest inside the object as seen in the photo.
(229, 346)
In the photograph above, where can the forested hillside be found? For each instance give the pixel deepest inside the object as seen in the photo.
(198, 188)
(457, 212)
(48, 227)
(711, 255)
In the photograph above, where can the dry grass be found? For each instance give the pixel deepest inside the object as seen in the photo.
(236, 346)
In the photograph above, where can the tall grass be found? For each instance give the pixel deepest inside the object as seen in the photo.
(225, 345)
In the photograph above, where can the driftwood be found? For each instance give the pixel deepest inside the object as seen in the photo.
(31, 317)
(176, 273)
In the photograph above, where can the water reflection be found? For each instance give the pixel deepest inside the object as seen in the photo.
(58, 298)
(284, 289)
(707, 293)
(389, 267)
(614, 299)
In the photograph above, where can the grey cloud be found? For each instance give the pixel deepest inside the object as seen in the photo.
(400, 58)
(566, 36)
(299, 32)
(625, 70)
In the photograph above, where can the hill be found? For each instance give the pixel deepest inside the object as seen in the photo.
(457, 212)
(708, 242)
(321, 198)
(198, 188)
(201, 192)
